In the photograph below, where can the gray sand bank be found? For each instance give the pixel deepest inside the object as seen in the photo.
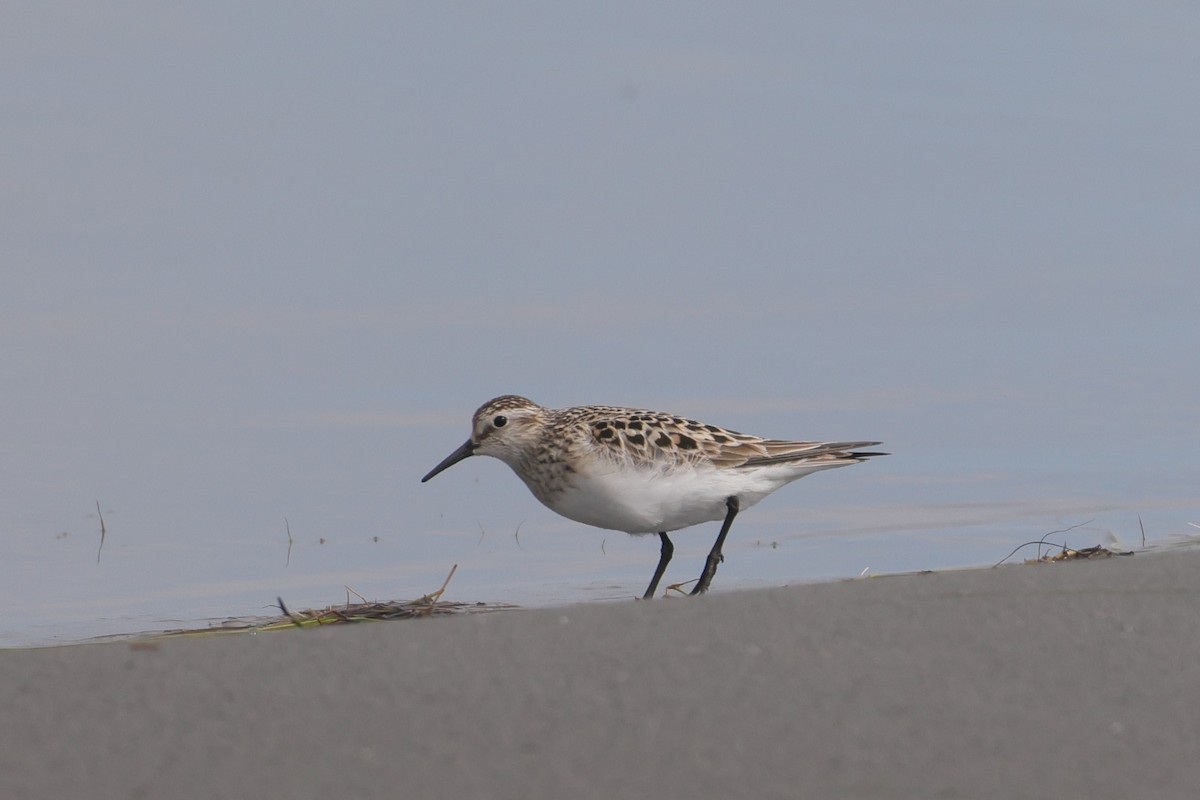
(1064, 680)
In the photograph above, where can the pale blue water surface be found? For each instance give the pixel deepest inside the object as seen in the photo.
(263, 261)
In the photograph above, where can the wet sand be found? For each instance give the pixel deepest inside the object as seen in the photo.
(1055, 680)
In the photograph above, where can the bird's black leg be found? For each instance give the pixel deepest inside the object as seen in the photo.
(714, 555)
(664, 557)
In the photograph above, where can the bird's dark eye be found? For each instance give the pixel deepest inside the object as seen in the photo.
(500, 421)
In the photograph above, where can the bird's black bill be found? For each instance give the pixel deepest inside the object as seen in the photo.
(466, 451)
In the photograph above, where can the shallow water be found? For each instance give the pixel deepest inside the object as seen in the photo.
(277, 290)
(543, 564)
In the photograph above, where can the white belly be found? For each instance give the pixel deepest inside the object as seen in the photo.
(637, 501)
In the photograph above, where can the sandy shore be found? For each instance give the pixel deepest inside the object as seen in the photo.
(1063, 680)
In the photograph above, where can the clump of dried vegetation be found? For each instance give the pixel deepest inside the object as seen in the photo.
(429, 605)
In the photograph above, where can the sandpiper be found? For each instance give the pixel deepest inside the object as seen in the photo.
(642, 471)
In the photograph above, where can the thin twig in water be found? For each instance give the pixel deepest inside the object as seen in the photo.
(433, 597)
(291, 541)
(1064, 530)
(1042, 542)
(103, 532)
(350, 591)
(517, 535)
(1143, 527)
(678, 587)
(482, 533)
